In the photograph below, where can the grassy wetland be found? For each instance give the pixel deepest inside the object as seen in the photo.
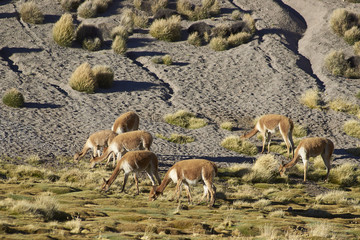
(65, 202)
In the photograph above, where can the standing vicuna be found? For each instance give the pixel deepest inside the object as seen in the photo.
(311, 147)
(267, 125)
(135, 161)
(95, 141)
(189, 172)
(124, 142)
(126, 122)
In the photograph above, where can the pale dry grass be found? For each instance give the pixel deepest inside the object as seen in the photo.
(344, 105)
(237, 39)
(311, 98)
(119, 45)
(194, 39)
(83, 79)
(277, 214)
(261, 204)
(335, 197)
(227, 126)
(185, 119)
(74, 225)
(344, 174)
(87, 10)
(234, 143)
(119, 31)
(321, 229)
(166, 29)
(352, 128)
(64, 30)
(219, 44)
(342, 20)
(31, 13)
(336, 63)
(352, 35)
(127, 19)
(265, 169)
(268, 231)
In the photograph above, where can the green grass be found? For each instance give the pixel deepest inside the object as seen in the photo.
(176, 138)
(77, 210)
(185, 119)
(13, 98)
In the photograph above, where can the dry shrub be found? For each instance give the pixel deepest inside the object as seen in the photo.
(127, 19)
(357, 48)
(299, 131)
(311, 98)
(227, 126)
(101, 5)
(64, 31)
(268, 231)
(87, 9)
(236, 15)
(219, 44)
(74, 225)
(104, 76)
(352, 35)
(90, 33)
(352, 128)
(13, 98)
(92, 44)
(195, 39)
(167, 59)
(234, 143)
(70, 5)
(250, 22)
(342, 20)
(237, 39)
(30, 13)
(322, 230)
(166, 29)
(158, 4)
(83, 79)
(185, 119)
(207, 9)
(336, 63)
(265, 169)
(335, 197)
(141, 20)
(344, 175)
(119, 31)
(343, 105)
(119, 45)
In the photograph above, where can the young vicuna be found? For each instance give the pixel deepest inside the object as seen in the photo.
(189, 172)
(267, 125)
(135, 161)
(95, 141)
(124, 142)
(126, 122)
(311, 147)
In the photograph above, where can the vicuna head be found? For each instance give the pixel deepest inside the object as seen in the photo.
(282, 170)
(105, 186)
(76, 157)
(154, 193)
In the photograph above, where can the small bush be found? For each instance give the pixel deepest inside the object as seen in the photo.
(88, 32)
(166, 29)
(261, 204)
(342, 105)
(344, 175)
(101, 5)
(237, 39)
(205, 10)
(234, 143)
(357, 48)
(87, 9)
(177, 138)
(227, 126)
(335, 197)
(127, 19)
(92, 44)
(141, 20)
(336, 63)
(352, 35)
(299, 131)
(119, 45)
(265, 169)
(70, 5)
(30, 13)
(64, 31)
(352, 128)
(185, 119)
(219, 44)
(119, 31)
(104, 76)
(13, 98)
(195, 39)
(250, 22)
(236, 15)
(158, 4)
(341, 20)
(311, 98)
(83, 79)
(167, 60)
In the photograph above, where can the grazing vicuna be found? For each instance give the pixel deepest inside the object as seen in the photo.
(95, 142)
(124, 142)
(267, 125)
(135, 161)
(311, 147)
(126, 122)
(189, 172)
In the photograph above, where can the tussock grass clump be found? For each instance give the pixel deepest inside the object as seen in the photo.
(13, 98)
(344, 175)
(141, 20)
(185, 119)
(101, 5)
(119, 31)
(166, 29)
(207, 9)
(236, 15)
(89, 36)
(237, 39)
(311, 98)
(104, 76)
(177, 138)
(158, 4)
(277, 214)
(127, 19)
(322, 230)
(250, 22)
(73, 175)
(352, 35)
(234, 143)
(74, 225)
(335, 197)
(64, 30)
(30, 13)
(265, 169)
(219, 44)
(92, 44)
(87, 9)
(261, 204)
(299, 131)
(33, 159)
(352, 128)
(336, 63)
(227, 126)
(195, 39)
(24, 172)
(357, 48)
(166, 59)
(70, 5)
(119, 45)
(343, 105)
(83, 79)
(342, 20)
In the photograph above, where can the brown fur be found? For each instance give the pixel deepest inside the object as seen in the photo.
(193, 169)
(135, 161)
(124, 142)
(95, 141)
(126, 122)
(311, 147)
(267, 125)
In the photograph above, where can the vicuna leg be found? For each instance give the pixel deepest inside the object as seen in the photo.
(178, 189)
(326, 158)
(206, 193)
(269, 140)
(305, 161)
(126, 175)
(211, 189)
(187, 189)
(136, 183)
(264, 141)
